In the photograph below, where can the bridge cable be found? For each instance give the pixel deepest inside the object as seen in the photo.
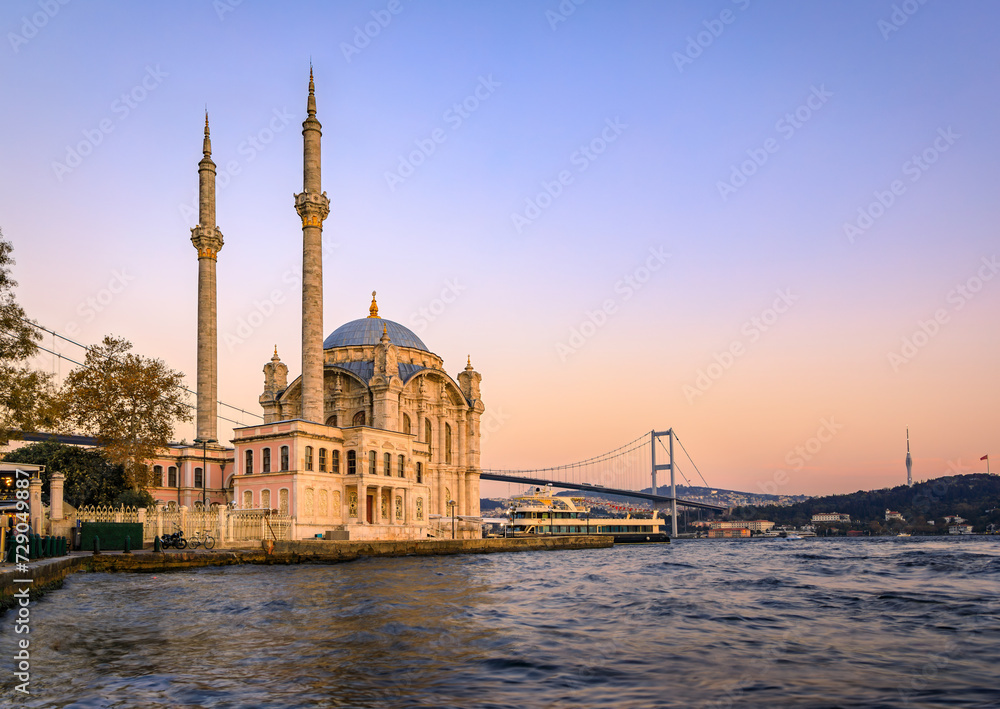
(603, 457)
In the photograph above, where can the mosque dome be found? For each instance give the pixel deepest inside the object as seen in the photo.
(368, 331)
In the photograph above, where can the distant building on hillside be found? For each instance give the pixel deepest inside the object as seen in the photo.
(754, 525)
(890, 515)
(728, 533)
(960, 529)
(831, 517)
(954, 519)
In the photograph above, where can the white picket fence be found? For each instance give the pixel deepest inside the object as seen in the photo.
(230, 527)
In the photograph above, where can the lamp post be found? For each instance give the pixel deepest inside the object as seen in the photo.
(452, 504)
(204, 468)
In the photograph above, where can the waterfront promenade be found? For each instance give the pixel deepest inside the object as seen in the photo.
(49, 573)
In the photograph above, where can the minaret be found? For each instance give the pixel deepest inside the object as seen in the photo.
(207, 239)
(909, 461)
(313, 206)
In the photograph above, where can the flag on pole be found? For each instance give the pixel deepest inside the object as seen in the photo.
(985, 457)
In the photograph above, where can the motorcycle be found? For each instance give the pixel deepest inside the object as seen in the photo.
(175, 540)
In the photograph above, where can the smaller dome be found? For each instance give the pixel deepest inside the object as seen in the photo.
(368, 331)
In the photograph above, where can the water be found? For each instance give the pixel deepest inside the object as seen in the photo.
(769, 623)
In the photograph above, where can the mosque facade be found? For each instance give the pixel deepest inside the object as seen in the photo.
(373, 440)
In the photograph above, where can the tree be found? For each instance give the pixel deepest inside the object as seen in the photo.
(90, 478)
(129, 402)
(28, 400)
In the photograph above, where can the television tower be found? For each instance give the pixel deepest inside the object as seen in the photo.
(909, 461)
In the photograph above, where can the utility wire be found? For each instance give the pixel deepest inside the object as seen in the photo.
(82, 364)
(90, 348)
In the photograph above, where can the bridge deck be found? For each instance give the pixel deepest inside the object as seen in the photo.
(501, 477)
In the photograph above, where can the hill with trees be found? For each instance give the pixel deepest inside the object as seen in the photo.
(924, 506)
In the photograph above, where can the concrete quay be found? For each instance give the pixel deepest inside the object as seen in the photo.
(46, 574)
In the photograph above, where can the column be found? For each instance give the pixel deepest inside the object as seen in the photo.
(377, 505)
(313, 207)
(362, 501)
(207, 239)
(56, 496)
(35, 504)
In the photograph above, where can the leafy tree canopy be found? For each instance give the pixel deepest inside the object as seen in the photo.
(90, 478)
(28, 400)
(130, 403)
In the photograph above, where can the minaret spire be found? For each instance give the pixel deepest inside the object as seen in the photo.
(311, 101)
(313, 207)
(207, 239)
(206, 146)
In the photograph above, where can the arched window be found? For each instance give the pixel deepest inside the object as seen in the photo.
(158, 475)
(402, 466)
(171, 476)
(247, 499)
(372, 470)
(388, 464)
(352, 462)
(265, 499)
(283, 501)
(427, 434)
(406, 423)
(199, 478)
(335, 462)
(359, 418)
(248, 465)
(265, 460)
(309, 457)
(420, 473)
(332, 421)
(284, 459)
(447, 443)
(322, 460)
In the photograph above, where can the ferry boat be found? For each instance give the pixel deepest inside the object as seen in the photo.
(541, 512)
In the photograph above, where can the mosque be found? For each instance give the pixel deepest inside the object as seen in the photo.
(374, 440)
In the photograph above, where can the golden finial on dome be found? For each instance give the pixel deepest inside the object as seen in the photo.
(468, 362)
(373, 310)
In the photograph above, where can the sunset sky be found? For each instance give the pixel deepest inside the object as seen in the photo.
(768, 225)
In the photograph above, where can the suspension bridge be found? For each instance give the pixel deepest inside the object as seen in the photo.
(624, 471)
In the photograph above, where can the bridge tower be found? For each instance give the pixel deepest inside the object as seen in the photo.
(207, 239)
(654, 436)
(909, 461)
(313, 207)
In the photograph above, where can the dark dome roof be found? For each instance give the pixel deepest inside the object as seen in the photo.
(368, 331)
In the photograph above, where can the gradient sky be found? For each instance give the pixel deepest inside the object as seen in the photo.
(669, 121)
